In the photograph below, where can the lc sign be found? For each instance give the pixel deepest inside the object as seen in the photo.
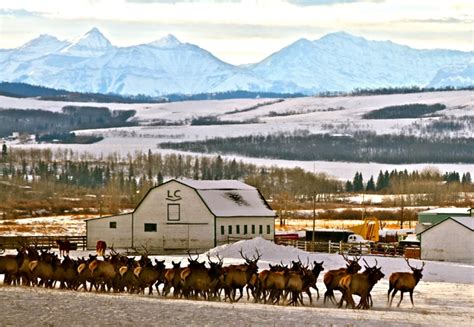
(173, 196)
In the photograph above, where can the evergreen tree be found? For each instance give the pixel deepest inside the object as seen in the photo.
(349, 187)
(160, 178)
(4, 152)
(358, 182)
(370, 185)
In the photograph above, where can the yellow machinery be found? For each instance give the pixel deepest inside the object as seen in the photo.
(368, 230)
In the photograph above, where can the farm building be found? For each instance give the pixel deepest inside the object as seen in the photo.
(434, 216)
(452, 239)
(187, 214)
(428, 218)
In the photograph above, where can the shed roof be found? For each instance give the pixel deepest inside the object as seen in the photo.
(466, 221)
(447, 211)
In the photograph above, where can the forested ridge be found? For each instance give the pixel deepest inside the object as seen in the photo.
(361, 147)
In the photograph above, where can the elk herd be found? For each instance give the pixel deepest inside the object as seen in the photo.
(207, 279)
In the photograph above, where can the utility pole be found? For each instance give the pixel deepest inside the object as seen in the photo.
(314, 217)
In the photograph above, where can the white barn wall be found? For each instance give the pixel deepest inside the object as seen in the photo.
(99, 229)
(194, 230)
(242, 221)
(448, 241)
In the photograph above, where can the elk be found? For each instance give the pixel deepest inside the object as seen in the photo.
(103, 272)
(149, 275)
(312, 278)
(196, 277)
(332, 277)
(173, 279)
(236, 277)
(64, 247)
(404, 282)
(9, 266)
(360, 284)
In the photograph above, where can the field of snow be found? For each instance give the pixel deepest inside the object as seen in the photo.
(445, 296)
(336, 115)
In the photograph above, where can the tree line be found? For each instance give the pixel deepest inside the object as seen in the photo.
(360, 147)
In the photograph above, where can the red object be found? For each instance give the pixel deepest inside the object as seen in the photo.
(100, 247)
(289, 236)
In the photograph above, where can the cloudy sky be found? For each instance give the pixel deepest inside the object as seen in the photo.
(242, 31)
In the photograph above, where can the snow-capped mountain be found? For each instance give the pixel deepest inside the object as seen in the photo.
(336, 62)
(91, 44)
(457, 76)
(343, 62)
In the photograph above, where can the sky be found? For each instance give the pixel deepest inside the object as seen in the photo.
(242, 31)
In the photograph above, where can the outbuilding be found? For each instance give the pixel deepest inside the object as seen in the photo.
(451, 239)
(187, 214)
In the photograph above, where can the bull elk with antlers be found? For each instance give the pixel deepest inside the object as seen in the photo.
(332, 277)
(404, 282)
(236, 277)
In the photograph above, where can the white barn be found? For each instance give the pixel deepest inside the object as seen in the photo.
(451, 239)
(187, 214)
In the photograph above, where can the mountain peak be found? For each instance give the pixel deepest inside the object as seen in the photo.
(40, 40)
(92, 43)
(167, 41)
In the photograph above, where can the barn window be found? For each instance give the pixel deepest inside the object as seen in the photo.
(230, 229)
(260, 229)
(268, 229)
(237, 229)
(245, 229)
(173, 212)
(113, 224)
(222, 230)
(253, 229)
(150, 227)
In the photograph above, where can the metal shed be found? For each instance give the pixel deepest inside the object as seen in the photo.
(451, 239)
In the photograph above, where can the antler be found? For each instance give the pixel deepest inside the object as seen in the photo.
(243, 256)
(259, 255)
(408, 263)
(366, 264)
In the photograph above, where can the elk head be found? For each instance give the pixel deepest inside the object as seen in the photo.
(352, 265)
(417, 272)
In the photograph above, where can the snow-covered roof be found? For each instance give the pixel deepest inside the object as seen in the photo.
(216, 185)
(230, 198)
(234, 203)
(466, 221)
(447, 211)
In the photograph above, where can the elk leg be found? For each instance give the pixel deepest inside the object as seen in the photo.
(411, 298)
(393, 295)
(401, 298)
(308, 291)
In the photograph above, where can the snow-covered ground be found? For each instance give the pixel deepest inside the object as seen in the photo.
(444, 297)
(336, 115)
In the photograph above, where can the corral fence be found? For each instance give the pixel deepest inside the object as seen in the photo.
(383, 249)
(42, 242)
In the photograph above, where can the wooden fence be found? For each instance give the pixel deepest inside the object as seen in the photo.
(42, 242)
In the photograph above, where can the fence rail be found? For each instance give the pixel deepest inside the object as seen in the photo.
(389, 249)
(42, 242)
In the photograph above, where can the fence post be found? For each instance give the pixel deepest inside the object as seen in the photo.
(329, 246)
(340, 246)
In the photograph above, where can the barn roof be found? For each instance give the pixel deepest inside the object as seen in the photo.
(466, 221)
(216, 185)
(229, 198)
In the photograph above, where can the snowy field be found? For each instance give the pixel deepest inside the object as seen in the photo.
(444, 297)
(336, 115)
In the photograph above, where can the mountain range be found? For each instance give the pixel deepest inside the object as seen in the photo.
(335, 62)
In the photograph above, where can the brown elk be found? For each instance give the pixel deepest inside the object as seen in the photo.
(43, 269)
(360, 284)
(332, 277)
(236, 277)
(9, 266)
(404, 282)
(312, 278)
(197, 280)
(149, 275)
(103, 273)
(64, 247)
(173, 279)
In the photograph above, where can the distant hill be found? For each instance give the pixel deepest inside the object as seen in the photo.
(23, 90)
(336, 62)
